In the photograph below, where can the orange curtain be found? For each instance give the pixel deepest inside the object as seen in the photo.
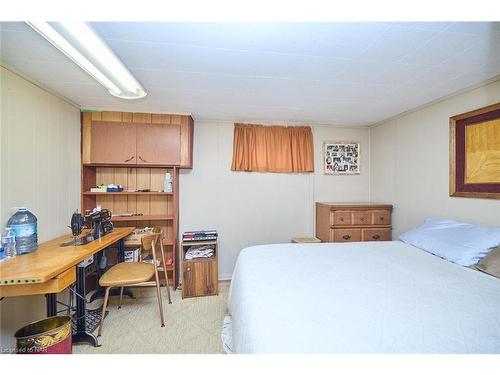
(280, 149)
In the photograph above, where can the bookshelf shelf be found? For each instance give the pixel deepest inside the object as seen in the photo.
(143, 218)
(150, 193)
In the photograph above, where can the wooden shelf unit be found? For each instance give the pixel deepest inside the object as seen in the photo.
(165, 141)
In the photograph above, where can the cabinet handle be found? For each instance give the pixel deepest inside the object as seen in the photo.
(362, 219)
(346, 237)
(376, 236)
(381, 218)
(188, 269)
(145, 161)
(130, 158)
(341, 219)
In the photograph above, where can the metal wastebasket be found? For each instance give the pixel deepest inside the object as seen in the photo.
(46, 336)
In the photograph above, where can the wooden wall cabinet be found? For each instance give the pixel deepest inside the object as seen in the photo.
(113, 142)
(351, 222)
(124, 138)
(200, 276)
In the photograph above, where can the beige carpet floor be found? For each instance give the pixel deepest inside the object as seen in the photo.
(192, 325)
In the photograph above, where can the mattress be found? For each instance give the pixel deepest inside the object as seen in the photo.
(369, 297)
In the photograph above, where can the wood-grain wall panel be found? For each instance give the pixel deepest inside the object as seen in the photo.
(131, 184)
(143, 118)
(159, 118)
(111, 116)
(143, 182)
(120, 201)
(127, 116)
(175, 119)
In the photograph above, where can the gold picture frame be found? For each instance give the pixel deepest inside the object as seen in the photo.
(475, 153)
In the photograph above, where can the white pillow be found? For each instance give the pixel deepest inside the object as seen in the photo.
(460, 243)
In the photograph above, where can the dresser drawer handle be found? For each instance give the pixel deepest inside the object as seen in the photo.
(376, 236)
(381, 218)
(346, 237)
(341, 219)
(362, 219)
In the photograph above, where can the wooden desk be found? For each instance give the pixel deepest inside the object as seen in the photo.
(52, 268)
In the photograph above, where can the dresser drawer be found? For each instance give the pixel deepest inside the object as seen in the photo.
(361, 218)
(376, 234)
(345, 235)
(381, 217)
(340, 218)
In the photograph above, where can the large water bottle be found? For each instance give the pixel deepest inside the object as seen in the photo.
(9, 243)
(24, 225)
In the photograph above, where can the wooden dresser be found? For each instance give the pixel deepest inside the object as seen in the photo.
(351, 222)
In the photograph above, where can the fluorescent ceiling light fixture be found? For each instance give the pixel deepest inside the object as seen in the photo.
(84, 47)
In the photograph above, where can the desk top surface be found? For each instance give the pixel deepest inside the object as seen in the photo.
(51, 259)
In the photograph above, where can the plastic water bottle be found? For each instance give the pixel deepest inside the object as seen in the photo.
(24, 225)
(167, 183)
(9, 243)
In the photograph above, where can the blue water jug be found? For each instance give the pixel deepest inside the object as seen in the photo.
(24, 225)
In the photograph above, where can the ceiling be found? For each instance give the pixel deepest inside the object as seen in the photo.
(351, 74)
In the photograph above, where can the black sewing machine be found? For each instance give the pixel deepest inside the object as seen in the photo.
(99, 223)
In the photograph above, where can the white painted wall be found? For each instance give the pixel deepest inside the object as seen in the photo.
(409, 159)
(256, 208)
(40, 169)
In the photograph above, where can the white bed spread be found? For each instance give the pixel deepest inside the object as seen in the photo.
(371, 297)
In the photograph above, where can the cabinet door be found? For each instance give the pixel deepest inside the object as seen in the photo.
(158, 144)
(112, 142)
(200, 278)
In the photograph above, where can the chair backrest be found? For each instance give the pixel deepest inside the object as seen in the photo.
(148, 244)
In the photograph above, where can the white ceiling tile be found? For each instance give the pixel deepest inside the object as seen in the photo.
(440, 48)
(351, 74)
(397, 42)
(487, 49)
(343, 40)
(400, 74)
(477, 28)
(361, 71)
(434, 26)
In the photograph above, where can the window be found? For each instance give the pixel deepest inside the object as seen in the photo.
(280, 149)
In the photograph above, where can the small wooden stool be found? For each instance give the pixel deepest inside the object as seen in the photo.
(305, 240)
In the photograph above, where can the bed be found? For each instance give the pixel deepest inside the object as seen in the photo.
(369, 297)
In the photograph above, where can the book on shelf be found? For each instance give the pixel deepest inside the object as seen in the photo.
(202, 235)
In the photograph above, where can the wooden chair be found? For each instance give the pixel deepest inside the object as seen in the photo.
(134, 274)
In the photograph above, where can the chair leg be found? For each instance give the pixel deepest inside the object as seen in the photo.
(160, 304)
(168, 288)
(121, 298)
(165, 270)
(105, 304)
